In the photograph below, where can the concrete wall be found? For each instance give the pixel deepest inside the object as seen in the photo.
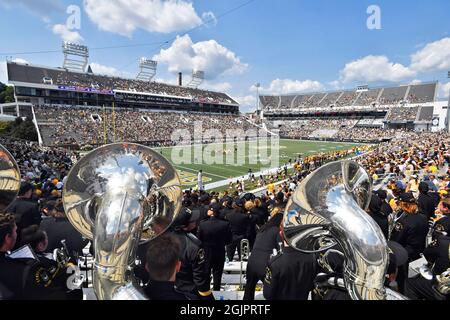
(440, 110)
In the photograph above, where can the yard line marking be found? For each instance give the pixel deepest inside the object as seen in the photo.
(206, 173)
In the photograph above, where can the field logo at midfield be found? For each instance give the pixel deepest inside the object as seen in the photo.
(236, 148)
(189, 178)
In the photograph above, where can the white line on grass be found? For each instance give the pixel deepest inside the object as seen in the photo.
(206, 173)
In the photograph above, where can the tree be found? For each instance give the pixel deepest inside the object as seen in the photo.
(2, 88)
(7, 94)
(20, 129)
(25, 130)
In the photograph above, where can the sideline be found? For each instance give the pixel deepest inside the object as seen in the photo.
(260, 191)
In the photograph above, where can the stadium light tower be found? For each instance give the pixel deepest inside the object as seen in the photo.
(147, 69)
(75, 56)
(258, 85)
(197, 79)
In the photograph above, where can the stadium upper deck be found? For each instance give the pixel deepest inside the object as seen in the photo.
(43, 85)
(333, 101)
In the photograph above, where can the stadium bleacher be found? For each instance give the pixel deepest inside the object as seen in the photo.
(422, 93)
(402, 114)
(270, 102)
(381, 98)
(68, 125)
(315, 100)
(286, 102)
(330, 99)
(301, 100)
(315, 128)
(393, 96)
(426, 114)
(347, 99)
(367, 98)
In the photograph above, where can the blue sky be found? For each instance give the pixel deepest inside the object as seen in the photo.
(286, 45)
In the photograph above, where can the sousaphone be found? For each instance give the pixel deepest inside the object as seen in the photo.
(121, 195)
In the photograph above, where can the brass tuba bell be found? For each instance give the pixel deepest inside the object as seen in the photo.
(120, 195)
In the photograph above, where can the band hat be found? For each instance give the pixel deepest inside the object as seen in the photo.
(407, 197)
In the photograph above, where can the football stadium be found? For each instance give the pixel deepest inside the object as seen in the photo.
(201, 174)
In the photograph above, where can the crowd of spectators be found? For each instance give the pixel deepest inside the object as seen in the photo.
(89, 80)
(40, 164)
(401, 114)
(393, 96)
(347, 99)
(367, 98)
(366, 134)
(412, 168)
(291, 172)
(63, 126)
(313, 102)
(339, 129)
(270, 102)
(414, 99)
(423, 93)
(330, 99)
(300, 101)
(390, 97)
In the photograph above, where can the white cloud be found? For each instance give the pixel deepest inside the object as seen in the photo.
(253, 88)
(336, 85)
(66, 34)
(374, 68)
(283, 86)
(125, 16)
(101, 69)
(98, 68)
(171, 80)
(416, 81)
(248, 109)
(249, 100)
(434, 56)
(444, 89)
(220, 87)
(41, 8)
(209, 56)
(19, 60)
(246, 103)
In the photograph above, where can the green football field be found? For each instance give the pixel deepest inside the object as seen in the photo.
(251, 154)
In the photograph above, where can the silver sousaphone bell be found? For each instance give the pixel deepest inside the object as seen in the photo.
(119, 196)
(328, 208)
